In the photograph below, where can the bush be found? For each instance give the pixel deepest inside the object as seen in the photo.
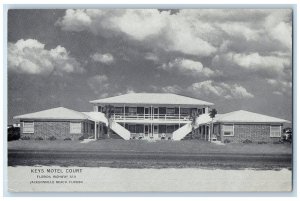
(226, 141)
(52, 138)
(247, 141)
(25, 138)
(169, 138)
(278, 142)
(133, 137)
(13, 133)
(81, 138)
(262, 142)
(39, 138)
(67, 139)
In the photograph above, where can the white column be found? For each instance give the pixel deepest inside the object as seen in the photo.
(209, 133)
(124, 112)
(95, 130)
(179, 114)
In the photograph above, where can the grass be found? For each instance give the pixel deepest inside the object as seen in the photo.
(187, 146)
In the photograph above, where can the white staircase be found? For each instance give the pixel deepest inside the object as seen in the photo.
(180, 133)
(120, 130)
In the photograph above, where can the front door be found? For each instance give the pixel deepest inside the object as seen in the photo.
(155, 131)
(155, 112)
(147, 112)
(147, 131)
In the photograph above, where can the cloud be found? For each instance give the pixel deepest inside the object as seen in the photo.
(188, 67)
(159, 29)
(103, 58)
(175, 89)
(255, 61)
(98, 84)
(151, 56)
(30, 57)
(280, 86)
(228, 91)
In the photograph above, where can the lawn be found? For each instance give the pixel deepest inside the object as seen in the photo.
(139, 146)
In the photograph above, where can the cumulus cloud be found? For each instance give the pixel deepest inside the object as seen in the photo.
(255, 61)
(228, 91)
(98, 84)
(103, 58)
(189, 67)
(170, 32)
(175, 89)
(280, 86)
(151, 56)
(30, 57)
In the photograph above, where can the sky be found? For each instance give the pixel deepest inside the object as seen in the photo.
(234, 58)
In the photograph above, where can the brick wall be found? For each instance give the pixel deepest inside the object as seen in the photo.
(253, 132)
(58, 129)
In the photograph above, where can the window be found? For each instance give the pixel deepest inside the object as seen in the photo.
(28, 127)
(170, 110)
(99, 109)
(118, 110)
(184, 111)
(132, 128)
(162, 128)
(203, 110)
(132, 110)
(228, 130)
(275, 131)
(170, 128)
(75, 127)
(140, 128)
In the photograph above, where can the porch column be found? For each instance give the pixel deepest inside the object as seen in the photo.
(209, 133)
(124, 112)
(179, 115)
(95, 130)
(205, 132)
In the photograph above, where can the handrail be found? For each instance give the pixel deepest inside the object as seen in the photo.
(127, 116)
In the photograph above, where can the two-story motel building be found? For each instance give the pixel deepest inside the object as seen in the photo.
(151, 116)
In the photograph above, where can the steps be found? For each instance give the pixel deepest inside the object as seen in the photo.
(180, 133)
(120, 130)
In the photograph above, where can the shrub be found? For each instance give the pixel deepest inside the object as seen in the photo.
(67, 139)
(278, 142)
(39, 138)
(25, 138)
(247, 141)
(226, 141)
(262, 142)
(81, 137)
(169, 138)
(133, 137)
(52, 138)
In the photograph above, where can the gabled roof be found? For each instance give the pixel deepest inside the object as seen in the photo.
(54, 113)
(152, 99)
(241, 116)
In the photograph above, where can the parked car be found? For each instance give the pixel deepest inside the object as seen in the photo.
(13, 133)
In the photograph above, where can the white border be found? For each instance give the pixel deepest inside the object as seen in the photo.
(3, 105)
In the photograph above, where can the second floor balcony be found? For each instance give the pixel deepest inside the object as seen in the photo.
(160, 117)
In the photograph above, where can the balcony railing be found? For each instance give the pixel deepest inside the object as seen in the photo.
(165, 117)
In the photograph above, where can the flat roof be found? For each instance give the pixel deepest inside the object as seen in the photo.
(151, 99)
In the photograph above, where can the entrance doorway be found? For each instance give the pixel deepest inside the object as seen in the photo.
(147, 131)
(155, 131)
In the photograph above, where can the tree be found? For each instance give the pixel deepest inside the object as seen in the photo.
(108, 111)
(212, 114)
(194, 116)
